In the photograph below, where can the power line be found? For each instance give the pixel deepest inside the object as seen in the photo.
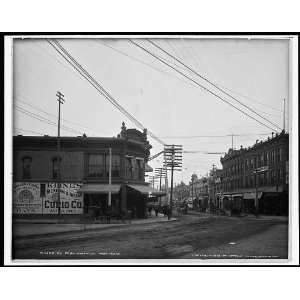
(242, 95)
(213, 136)
(27, 130)
(203, 87)
(49, 114)
(43, 119)
(140, 61)
(213, 84)
(96, 85)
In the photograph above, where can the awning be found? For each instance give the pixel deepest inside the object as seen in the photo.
(148, 168)
(99, 188)
(252, 195)
(147, 190)
(237, 195)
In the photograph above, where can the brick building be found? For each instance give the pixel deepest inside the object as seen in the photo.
(263, 166)
(84, 175)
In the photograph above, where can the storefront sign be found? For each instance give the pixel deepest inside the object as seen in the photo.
(28, 199)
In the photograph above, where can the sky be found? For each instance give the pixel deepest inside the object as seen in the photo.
(254, 71)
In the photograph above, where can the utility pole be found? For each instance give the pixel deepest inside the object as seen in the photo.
(283, 114)
(61, 100)
(232, 141)
(173, 161)
(109, 179)
(160, 172)
(214, 184)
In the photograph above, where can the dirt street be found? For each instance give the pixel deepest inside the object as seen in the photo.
(188, 237)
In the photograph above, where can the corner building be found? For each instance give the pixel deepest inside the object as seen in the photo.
(84, 174)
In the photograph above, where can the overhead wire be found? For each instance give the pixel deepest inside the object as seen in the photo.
(200, 85)
(213, 136)
(49, 114)
(83, 72)
(213, 84)
(240, 94)
(45, 120)
(27, 130)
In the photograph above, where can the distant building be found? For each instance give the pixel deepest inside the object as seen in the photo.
(84, 165)
(199, 192)
(239, 178)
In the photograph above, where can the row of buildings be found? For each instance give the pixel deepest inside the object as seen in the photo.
(258, 173)
(79, 174)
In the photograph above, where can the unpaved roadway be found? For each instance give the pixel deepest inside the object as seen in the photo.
(191, 236)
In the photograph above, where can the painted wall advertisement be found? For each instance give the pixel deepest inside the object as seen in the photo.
(41, 198)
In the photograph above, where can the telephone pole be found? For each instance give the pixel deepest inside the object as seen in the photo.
(61, 100)
(109, 179)
(173, 162)
(283, 114)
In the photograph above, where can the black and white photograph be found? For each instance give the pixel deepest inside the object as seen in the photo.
(151, 149)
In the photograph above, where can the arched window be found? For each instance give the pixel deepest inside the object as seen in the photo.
(27, 167)
(55, 167)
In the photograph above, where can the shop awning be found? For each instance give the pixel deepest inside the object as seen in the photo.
(148, 168)
(99, 188)
(147, 190)
(252, 195)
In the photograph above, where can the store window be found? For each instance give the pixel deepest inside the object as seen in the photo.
(96, 165)
(27, 167)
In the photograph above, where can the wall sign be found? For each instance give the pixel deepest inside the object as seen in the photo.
(27, 198)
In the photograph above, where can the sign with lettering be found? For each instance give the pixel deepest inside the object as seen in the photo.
(27, 198)
(71, 201)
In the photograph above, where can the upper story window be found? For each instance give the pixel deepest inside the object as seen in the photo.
(141, 169)
(27, 167)
(280, 154)
(115, 165)
(129, 167)
(96, 165)
(55, 167)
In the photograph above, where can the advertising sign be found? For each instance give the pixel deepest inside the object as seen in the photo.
(26, 198)
(71, 201)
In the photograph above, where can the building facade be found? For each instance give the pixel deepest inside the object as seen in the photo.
(79, 172)
(258, 172)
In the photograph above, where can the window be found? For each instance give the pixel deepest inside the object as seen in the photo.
(141, 167)
(115, 165)
(96, 165)
(116, 162)
(129, 169)
(280, 154)
(27, 167)
(55, 167)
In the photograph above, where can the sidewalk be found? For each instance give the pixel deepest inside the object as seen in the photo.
(30, 229)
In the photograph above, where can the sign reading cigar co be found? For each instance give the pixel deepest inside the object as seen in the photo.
(41, 198)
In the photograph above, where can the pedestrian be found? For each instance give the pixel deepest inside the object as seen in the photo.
(156, 211)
